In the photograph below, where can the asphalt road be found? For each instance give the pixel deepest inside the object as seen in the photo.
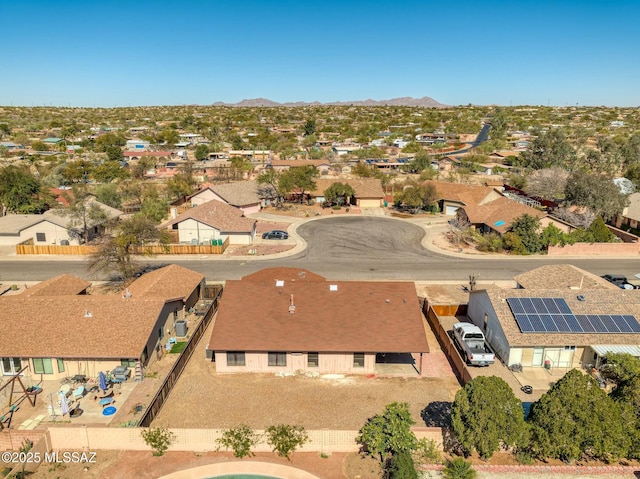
(346, 248)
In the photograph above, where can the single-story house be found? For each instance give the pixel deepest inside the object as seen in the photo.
(51, 227)
(368, 192)
(323, 166)
(244, 195)
(137, 145)
(213, 220)
(58, 330)
(52, 141)
(136, 155)
(557, 328)
(452, 196)
(297, 320)
(561, 276)
(630, 215)
(498, 215)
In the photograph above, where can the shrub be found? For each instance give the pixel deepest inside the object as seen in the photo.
(285, 439)
(240, 440)
(159, 439)
(458, 468)
(427, 451)
(400, 466)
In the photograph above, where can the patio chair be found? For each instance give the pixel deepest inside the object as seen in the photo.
(78, 393)
(65, 389)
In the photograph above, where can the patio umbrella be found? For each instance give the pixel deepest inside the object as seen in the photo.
(64, 406)
(103, 381)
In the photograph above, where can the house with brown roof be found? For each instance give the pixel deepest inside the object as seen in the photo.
(498, 216)
(244, 195)
(451, 196)
(58, 330)
(557, 328)
(298, 320)
(561, 276)
(213, 220)
(368, 192)
(630, 216)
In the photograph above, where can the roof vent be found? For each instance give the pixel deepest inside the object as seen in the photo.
(127, 293)
(387, 300)
(292, 307)
(333, 287)
(581, 298)
(88, 314)
(279, 283)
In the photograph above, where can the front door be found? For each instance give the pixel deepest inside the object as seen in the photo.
(537, 356)
(10, 366)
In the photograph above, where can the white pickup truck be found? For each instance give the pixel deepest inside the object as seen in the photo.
(475, 349)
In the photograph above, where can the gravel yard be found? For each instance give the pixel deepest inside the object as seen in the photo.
(260, 400)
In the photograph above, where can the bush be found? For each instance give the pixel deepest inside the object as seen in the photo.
(400, 466)
(458, 468)
(286, 439)
(159, 439)
(427, 451)
(240, 440)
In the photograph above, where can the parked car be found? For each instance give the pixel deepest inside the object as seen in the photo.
(621, 281)
(275, 234)
(475, 349)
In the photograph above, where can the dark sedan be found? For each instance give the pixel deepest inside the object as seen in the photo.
(275, 234)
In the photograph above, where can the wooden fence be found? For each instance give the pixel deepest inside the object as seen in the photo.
(82, 250)
(446, 343)
(174, 374)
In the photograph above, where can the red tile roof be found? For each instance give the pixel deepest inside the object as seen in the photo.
(357, 317)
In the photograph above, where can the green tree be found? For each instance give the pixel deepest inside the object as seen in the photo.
(170, 136)
(115, 253)
(114, 153)
(527, 227)
(272, 189)
(285, 439)
(551, 235)
(576, 419)
(77, 171)
(109, 140)
(240, 440)
(389, 433)
(109, 195)
(338, 193)
(301, 178)
(595, 192)
(620, 367)
(39, 146)
(108, 171)
(486, 415)
(5, 129)
(21, 192)
(416, 197)
(202, 152)
(181, 184)
(83, 211)
(309, 127)
(600, 232)
(548, 150)
(421, 161)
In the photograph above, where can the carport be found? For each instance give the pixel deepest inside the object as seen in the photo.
(396, 364)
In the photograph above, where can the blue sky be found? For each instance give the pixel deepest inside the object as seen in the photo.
(121, 53)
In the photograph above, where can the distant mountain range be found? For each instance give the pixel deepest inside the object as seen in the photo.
(425, 101)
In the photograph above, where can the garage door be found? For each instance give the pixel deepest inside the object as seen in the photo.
(369, 203)
(451, 210)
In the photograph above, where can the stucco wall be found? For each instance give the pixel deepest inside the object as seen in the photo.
(190, 229)
(53, 233)
(596, 249)
(327, 363)
(479, 305)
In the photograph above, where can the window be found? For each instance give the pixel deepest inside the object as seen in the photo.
(41, 237)
(128, 363)
(11, 365)
(42, 366)
(358, 360)
(277, 359)
(60, 365)
(161, 333)
(312, 360)
(235, 358)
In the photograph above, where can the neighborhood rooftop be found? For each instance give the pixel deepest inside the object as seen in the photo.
(218, 215)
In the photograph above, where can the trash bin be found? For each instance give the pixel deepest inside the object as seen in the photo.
(181, 328)
(547, 364)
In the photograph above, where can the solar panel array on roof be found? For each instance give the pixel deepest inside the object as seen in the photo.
(553, 315)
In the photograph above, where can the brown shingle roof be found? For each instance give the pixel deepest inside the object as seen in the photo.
(499, 214)
(597, 301)
(359, 316)
(56, 326)
(240, 193)
(170, 282)
(218, 215)
(65, 284)
(465, 194)
(562, 276)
